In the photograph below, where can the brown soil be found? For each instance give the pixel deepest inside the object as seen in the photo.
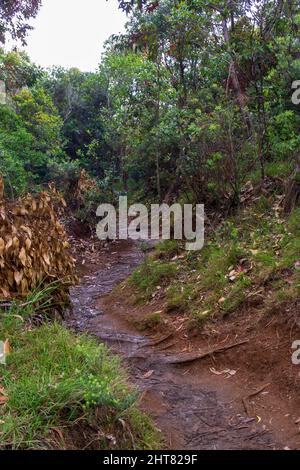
(197, 405)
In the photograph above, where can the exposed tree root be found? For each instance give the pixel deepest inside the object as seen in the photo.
(191, 358)
(251, 395)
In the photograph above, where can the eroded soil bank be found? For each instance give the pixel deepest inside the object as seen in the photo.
(195, 405)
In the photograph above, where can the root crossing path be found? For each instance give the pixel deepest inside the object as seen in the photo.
(191, 412)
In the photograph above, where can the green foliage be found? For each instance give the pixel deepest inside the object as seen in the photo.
(217, 115)
(191, 100)
(81, 100)
(30, 126)
(13, 171)
(16, 71)
(41, 120)
(20, 157)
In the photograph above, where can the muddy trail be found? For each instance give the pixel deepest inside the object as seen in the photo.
(191, 412)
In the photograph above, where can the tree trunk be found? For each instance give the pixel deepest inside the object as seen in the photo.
(233, 75)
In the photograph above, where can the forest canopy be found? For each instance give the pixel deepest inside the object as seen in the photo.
(193, 98)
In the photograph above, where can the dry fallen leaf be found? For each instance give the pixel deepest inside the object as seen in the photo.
(2, 246)
(22, 256)
(148, 374)
(18, 277)
(7, 347)
(3, 398)
(227, 372)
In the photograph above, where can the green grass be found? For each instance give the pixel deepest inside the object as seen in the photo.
(280, 169)
(149, 322)
(219, 259)
(198, 318)
(54, 378)
(236, 295)
(260, 247)
(167, 249)
(179, 296)
(150, 275)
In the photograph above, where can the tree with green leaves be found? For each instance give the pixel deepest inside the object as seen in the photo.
(220, 60)
(14, 18)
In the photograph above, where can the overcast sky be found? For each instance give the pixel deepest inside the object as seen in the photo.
(71, 33)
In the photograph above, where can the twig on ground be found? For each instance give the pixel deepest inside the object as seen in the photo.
(157, 342)
(168, 346)
(189, 358)
(251, 395)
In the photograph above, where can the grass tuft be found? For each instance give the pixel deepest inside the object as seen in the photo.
(54, 378)
(150, 274)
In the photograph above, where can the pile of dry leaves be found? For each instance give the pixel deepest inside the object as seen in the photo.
(85, 184)
(34, 248)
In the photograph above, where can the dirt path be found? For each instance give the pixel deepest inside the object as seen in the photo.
(191, 411)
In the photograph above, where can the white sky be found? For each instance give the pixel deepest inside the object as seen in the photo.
(71, 33)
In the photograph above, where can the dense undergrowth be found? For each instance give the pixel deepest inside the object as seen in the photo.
(56, 383)
(250, 261)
